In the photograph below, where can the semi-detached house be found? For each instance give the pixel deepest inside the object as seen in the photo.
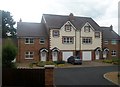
(58, 36)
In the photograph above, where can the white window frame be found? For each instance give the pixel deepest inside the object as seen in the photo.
(68, 27)
(42, 40)
(105, 42)
(87, 40)
(29, 40)
(97, 34)
(113, 53)
(113, 42)
(68, 40)
(87, 28)
(30, 55)
(56, 33)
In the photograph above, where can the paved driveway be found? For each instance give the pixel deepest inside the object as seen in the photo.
(83, 75)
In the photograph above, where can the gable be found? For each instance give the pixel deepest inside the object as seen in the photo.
(57, 21)
(87, 24)
(68, 23)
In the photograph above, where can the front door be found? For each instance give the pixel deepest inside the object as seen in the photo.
(55, 56)
(97, 53)
(104, 54)
(43, 56)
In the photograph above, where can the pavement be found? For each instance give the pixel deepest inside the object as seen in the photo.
(83, 76)
(86, 64)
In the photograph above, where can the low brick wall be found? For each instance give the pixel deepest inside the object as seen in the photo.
(42, 77)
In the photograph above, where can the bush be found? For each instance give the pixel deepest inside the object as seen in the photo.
(43, 63)
(59, 62)
(40, 64)
(107, 61)
(49, 63)
(9, 52)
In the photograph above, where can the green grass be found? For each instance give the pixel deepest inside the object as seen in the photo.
(115, 61)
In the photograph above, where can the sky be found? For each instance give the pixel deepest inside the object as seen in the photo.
(104, 12)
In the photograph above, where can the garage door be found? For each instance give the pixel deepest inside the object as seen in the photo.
(86, 55)
(66, 55)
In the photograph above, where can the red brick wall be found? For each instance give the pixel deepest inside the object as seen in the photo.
(112, 47)
(22, 48)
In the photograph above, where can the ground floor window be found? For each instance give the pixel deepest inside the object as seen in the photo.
(29, 55)
(113, 53)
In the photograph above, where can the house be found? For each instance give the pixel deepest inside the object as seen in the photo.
(57, 37)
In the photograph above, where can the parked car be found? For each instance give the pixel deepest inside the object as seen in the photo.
(74, 60)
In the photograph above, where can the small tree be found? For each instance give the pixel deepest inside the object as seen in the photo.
(9, 52)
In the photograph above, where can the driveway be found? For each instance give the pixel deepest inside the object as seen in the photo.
(82, 75)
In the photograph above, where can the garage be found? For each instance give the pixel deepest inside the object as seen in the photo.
(86, 56)
(66, 55)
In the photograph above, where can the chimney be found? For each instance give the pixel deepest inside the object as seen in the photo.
(111, 27)
(71, 17)
(20, 20)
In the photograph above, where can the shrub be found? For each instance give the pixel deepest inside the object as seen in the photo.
(9, 52)
(31, 65)
(59, 62)
(107, 61)
(49, 63)
(40, 64)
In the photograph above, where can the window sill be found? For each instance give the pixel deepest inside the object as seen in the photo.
(87, 44)
(28, 58)
(29, 43)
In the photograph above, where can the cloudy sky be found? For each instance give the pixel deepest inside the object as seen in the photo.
(104, 12)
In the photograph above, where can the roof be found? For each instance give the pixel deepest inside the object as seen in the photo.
(27, 29)
(109, 34)
(57, 21)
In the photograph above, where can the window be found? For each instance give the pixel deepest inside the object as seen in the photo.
(29, 40)
(87, 28)
(55, 33)
(68, 28)
(42, 40)
(113, 42)
(68, 40)
(97, 34)
(29, 55)
(105, 42)
(113, 53)
(87, 40)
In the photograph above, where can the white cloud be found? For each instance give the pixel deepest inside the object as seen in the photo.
(104, 12)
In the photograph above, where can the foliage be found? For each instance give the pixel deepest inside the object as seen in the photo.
(8, 25)
(107, 61)
(59, 62)
(49, 63)
(31, 65)
(40, 64)
(9, 51)
(113, 61)
(43, 63)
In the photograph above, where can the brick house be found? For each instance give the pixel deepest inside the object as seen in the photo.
(57, 37)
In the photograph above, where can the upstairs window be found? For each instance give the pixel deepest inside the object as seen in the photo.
(29, 55)
(68, 40)
(87, 28)
(29, 40)
(87, 40)
(97, 34)
(106, 42)
(113, 53)
(42, 40)
(68, 27)
(113, 42)
(55, 33)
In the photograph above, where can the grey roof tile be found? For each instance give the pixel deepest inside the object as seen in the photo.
(109, 34)
(57, 21)
(27, 29)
